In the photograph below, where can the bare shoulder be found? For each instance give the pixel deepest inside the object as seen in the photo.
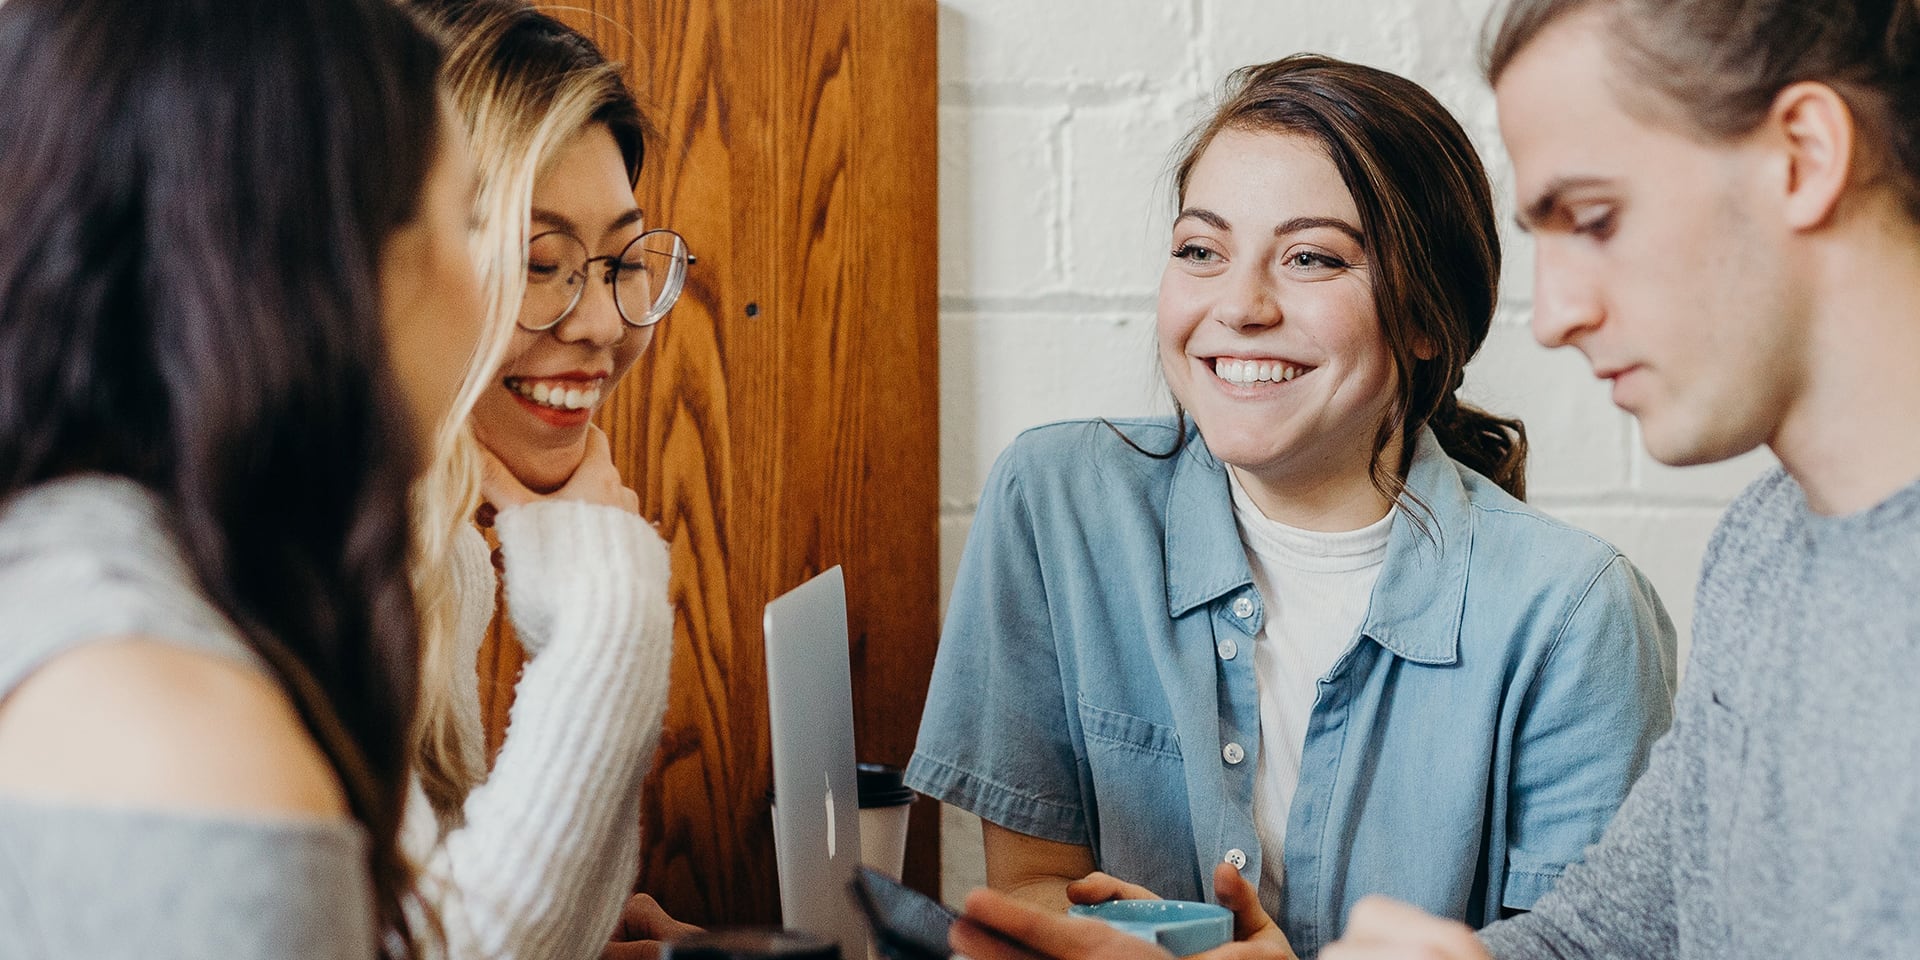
(141, 723)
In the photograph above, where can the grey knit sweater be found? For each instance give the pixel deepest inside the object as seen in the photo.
(1781, 815)
(87, 559)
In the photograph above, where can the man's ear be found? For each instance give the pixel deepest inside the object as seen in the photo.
(1817, 132)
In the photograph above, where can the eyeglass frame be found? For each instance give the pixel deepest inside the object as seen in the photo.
(613, 262)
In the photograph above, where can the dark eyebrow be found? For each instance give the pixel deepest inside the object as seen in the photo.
(552, 219)
(625, 220)
(1295, 225)
(1205, 216)
(1298, 224)
(1547, 205)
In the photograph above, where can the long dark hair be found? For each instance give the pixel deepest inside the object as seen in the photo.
(196, 196)
(1722, 62)
(1427, 212)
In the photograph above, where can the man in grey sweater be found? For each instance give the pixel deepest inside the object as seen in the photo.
(1723, 196)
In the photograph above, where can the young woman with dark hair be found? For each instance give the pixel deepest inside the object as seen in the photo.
(1307, 629)
(235, 297)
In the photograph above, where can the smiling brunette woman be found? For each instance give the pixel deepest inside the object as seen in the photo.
(536, 856)
(1306, 629)
(235, 294)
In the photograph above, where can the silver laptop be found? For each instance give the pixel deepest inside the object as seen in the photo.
(817, 799)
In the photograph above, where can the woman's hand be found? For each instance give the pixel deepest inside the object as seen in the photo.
(995, 927)
(644, 926)
(1383, 929)
(594, 481)
(1100, 887)
(1250, 920)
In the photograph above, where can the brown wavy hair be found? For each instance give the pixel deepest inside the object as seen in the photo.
(1427, 212)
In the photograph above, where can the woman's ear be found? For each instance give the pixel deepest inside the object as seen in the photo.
(1423, 347)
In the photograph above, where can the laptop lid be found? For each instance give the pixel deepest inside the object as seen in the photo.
(816, 797)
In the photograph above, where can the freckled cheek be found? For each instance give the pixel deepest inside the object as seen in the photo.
(1170, 339)
(1176, 315)
(1359, 359)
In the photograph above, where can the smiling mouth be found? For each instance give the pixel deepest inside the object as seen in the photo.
(556, 394)
(1246, 373)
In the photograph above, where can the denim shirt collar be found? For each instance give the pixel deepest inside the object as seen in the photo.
(1417, 603)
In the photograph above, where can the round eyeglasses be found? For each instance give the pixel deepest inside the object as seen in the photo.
(646, 277)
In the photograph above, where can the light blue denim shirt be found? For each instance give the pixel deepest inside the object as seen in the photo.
(1497, 702)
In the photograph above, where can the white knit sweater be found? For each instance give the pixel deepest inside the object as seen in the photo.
(547, 847)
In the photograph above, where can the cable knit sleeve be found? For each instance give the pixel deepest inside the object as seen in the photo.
(549, 844)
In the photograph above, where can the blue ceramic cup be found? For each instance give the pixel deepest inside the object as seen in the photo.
(1181, 927)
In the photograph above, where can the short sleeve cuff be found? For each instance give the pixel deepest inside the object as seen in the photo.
(1525, 887)
(996, 803)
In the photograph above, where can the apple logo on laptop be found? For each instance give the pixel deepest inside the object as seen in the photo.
(833, 845)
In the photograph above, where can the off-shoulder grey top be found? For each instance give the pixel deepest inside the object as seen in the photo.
(86, 559)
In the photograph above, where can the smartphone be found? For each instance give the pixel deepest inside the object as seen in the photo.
(907, 924)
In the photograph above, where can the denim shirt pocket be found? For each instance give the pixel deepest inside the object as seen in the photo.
(1139, 795)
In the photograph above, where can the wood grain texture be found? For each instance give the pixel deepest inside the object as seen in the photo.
(797, 155)
(499, 664)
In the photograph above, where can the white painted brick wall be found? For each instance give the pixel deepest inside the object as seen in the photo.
(1058, 120)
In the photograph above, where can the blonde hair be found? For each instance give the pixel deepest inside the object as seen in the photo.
(525, 85)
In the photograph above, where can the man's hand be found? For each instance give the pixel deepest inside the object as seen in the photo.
(643, 926)
(1382, 929)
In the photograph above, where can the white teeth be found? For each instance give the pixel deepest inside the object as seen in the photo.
(557, 396)
(1243, 372)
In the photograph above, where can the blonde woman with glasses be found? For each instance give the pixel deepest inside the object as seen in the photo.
(536, 856)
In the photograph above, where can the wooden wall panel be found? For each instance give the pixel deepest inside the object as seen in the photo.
(786, 417)
(892, 395)
(894, 188)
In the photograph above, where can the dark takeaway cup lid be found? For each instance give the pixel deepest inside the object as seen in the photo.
(880, 786)
(753, 944)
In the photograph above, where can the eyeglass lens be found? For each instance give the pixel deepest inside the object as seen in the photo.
(646, 277)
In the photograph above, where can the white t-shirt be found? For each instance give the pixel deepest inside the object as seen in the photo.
(1316, 587)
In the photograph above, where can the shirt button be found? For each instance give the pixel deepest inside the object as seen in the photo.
(1242, 607)
(1234, 753)
(1228, 649)
(1237, 858)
